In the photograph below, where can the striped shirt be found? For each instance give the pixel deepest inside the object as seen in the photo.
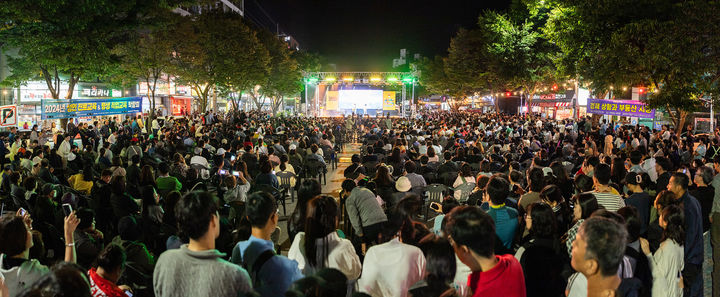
(609, 201)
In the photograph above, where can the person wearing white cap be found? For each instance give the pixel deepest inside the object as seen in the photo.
(36, 160)
(25, 161)
(198, 159)
(403, 186)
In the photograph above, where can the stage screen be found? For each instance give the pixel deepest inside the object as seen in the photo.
(361, 99)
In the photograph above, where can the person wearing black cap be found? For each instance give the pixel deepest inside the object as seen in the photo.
(354, 170)
(637, 197)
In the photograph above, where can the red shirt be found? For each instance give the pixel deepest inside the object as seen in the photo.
(100, 287)
(506, 279)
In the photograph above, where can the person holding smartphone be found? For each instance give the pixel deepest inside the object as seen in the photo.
(16, 267)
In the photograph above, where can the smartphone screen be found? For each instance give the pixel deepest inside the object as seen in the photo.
(236, 173)
(67, 208)
(222, 172)
(232, 158)
(23, 212)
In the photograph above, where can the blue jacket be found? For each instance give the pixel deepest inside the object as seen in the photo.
(693, 230)
(276, 275)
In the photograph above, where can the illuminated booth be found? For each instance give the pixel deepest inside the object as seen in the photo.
(180, 105)
(554, 105)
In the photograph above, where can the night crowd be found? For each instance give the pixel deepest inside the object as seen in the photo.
(442, 204)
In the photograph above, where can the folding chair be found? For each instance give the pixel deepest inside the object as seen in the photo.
(285, 178)
(315, 169)
(465, 190)
(272, 191)
(435, 193)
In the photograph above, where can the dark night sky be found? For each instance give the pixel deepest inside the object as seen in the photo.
(367, 35)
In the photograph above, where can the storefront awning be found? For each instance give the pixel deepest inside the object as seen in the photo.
(550, 103)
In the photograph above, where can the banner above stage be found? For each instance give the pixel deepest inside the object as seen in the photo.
(74, 108)
(625, 108)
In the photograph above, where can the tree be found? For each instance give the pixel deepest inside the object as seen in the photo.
(666, 46)
(284, 79)
(61, 42)
(466, 65)
(432, 75)
(308, 61)
(147, 56)
(517, 51)
(217, 49)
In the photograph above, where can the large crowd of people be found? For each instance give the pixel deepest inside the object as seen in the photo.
(442, 204)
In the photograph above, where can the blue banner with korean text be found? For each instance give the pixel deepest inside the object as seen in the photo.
(625, 108)
(74, 108)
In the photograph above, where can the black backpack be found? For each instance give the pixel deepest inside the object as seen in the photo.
(254, 269)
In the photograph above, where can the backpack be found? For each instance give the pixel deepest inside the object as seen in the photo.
(254, 269)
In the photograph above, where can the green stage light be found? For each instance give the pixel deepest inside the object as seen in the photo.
(392, 79)
(312, 80)
(408, 79)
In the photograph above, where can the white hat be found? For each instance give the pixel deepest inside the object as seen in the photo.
(421, 138)
(71, 157)
(36, 160)
(547, 171)
(292, 147)
(403, 184)
(224, 141)
(220, 152)
(198, 150)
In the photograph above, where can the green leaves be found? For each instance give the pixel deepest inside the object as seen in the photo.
(217, 49)
(517, 51)
(65, 40)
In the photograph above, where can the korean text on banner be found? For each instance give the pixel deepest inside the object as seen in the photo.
(625, 108)
(8, 116)
(74, 108)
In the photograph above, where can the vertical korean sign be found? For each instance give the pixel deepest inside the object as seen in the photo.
(388, 100)
(74, 108)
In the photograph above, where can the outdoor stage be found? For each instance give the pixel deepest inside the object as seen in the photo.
(331, 94)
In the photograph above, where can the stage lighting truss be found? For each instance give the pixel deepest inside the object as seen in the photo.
(376, 78)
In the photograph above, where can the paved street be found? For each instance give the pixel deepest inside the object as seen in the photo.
(334, 180)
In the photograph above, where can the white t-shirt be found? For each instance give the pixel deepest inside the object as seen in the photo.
(391, 269)
(341, 255)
